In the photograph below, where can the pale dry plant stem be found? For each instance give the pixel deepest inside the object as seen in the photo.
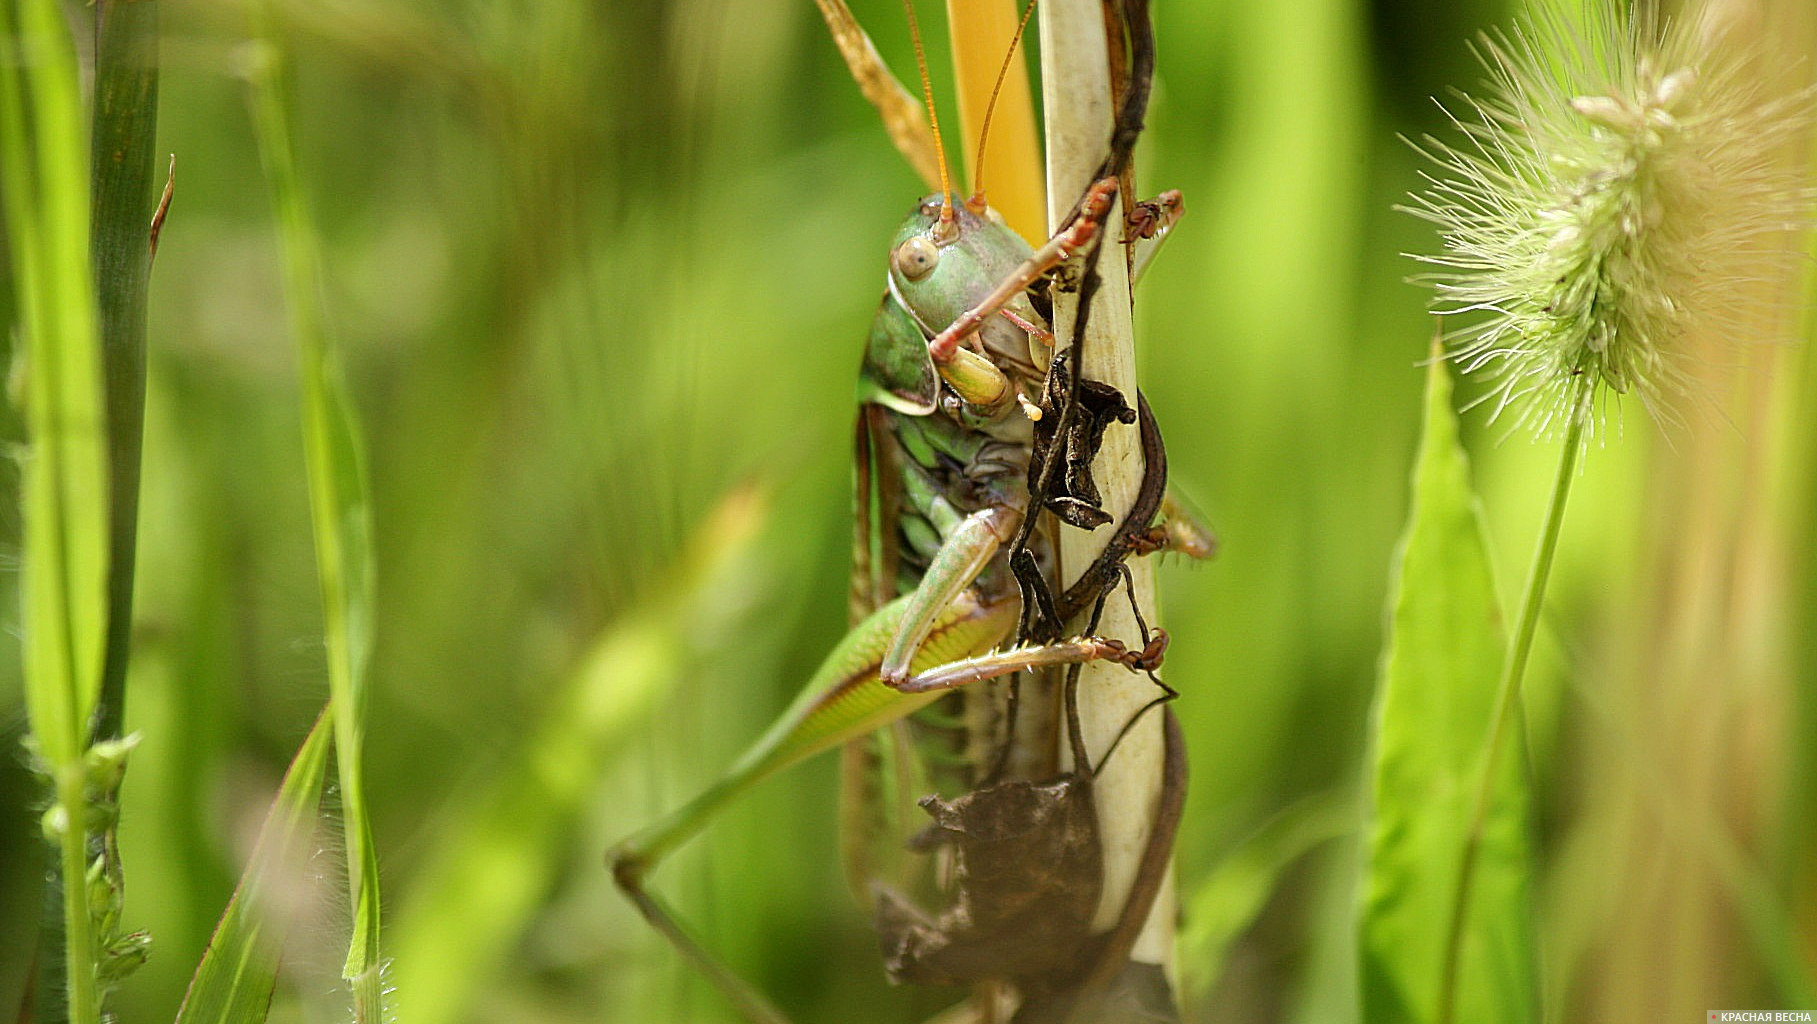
(1075, 78)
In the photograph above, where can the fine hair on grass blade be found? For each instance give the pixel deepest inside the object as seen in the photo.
(234, 981)
(334, 457)
(64, 488)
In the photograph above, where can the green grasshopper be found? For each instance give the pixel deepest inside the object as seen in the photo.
(959, 397)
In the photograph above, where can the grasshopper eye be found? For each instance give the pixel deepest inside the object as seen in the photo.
(915, 258)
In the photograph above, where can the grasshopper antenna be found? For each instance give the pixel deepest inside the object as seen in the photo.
(945, 229)
(976, 202)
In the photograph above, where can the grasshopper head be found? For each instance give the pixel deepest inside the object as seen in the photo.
(940, 267)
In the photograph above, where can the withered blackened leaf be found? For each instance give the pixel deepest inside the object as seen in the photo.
(1079, 513)
(1072, 493)
(1029, 873)
(1101, 405)
(1040, 617)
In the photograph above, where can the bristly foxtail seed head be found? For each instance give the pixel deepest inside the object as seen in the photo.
(1616, 189)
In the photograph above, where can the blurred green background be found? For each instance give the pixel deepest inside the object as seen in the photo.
(598, 266)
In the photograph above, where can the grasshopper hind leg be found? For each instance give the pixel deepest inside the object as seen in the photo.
(632, 860)
(628, 871)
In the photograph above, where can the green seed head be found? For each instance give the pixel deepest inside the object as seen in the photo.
(1616, 187)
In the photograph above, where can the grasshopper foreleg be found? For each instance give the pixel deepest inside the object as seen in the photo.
(1017, 659)
(1075, 236)
(960, 559)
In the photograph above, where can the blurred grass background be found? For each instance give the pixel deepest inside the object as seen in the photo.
(596, 267)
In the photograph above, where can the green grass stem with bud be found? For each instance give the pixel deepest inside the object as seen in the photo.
(1620, 182)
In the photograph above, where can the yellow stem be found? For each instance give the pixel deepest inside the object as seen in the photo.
(981, 31)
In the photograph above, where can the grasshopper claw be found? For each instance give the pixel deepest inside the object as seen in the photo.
(1147, 659)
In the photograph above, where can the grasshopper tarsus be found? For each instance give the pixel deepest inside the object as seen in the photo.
(1151, 218)
(1146, 659)
(1151, 541)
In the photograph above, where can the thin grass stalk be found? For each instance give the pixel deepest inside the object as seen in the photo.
(1077, 101)
(334, 458)
(1507, 701)
(123, 129)
(81, 983)
(64, 490)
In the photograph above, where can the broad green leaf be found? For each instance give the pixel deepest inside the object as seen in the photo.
(493, 865)
(335, 463)
(234, 981)
(1430, 728)
(125, 128)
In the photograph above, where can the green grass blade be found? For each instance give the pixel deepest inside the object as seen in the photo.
(1227, 901)
(65, 485)
(496, 861)
(333, 454)
(1438, 689)
(124, 123)
(125, 128)
(234, 981)
(43, 161)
